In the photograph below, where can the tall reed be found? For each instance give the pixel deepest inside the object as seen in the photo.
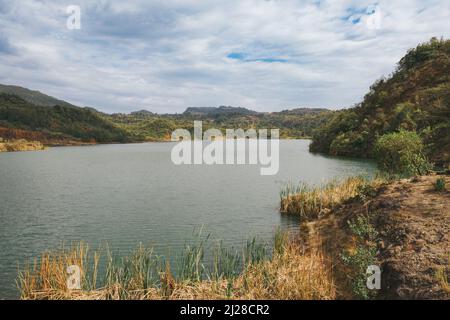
(286, 272)
(48, 274)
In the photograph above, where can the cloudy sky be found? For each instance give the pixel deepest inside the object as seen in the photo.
(167, 55)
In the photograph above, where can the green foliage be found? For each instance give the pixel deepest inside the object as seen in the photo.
(423, 53)
(401, 153)
(255, 252)
(366, 191)
(227, 263)
(363, 228)
(359, 261)
(439, 185)
(364, 255)
(416, 97)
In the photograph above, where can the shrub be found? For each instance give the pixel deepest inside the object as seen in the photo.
(363, 255)
(439, 185)
(401, 153)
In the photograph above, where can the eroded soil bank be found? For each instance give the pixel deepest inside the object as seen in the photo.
(412, 220)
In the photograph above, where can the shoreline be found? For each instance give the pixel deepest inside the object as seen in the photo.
(142, 142)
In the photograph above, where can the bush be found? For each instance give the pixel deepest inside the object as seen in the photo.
(439, 185)
(401, 153)
(363, 255)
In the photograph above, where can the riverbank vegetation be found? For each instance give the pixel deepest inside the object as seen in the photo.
(288, 271)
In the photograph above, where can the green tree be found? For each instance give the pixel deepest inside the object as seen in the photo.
(401, 153)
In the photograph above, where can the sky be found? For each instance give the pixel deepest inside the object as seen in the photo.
(165, 56)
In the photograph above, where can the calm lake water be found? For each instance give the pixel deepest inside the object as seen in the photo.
(130, 194)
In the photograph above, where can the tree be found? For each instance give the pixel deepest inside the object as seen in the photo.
(401, 153)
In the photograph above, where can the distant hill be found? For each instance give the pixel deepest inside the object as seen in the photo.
(299, 123)
(415, 97)
(34, 97)
(303, 111)
(219, 111)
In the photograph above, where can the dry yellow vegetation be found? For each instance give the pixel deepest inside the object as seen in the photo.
(291, 273)
(20, 145)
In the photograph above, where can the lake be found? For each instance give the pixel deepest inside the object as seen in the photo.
(130, 194)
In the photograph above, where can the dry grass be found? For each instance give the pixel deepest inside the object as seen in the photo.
(290, 273)
(48, 275)
(443, 276)
(20, 145)
(289, 276)
(310, 203)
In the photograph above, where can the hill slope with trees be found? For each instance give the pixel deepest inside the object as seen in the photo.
(57, 124)
(416, 97)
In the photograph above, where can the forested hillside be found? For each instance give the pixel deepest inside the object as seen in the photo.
(416, 97)
(56, 124)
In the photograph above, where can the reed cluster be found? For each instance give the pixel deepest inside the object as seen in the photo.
(47, 275)
(311, 202)
(286, 271)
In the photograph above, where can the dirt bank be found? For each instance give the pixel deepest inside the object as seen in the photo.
(412, 220)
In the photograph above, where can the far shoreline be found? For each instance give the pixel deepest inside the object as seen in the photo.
(40, 146)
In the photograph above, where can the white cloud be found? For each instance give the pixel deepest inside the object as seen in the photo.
(169, 55)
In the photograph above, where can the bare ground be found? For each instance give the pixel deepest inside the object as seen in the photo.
(413, 221)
